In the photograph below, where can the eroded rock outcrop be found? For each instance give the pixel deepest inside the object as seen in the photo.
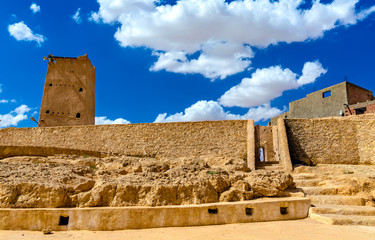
(72, 181)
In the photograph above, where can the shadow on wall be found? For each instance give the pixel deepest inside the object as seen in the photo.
(331, 141)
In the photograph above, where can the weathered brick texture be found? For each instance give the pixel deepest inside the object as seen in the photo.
(357, 94)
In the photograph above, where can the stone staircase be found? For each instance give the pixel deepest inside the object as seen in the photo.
(331, 208)
(274, 166)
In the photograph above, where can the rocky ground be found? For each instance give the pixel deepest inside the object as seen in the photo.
(83, 181)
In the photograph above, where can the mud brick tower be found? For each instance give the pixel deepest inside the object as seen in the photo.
(69, 92)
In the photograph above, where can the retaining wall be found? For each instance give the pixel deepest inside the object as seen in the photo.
(106, 219)
(331, 140)
(209, 139)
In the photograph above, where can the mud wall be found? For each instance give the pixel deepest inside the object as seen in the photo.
(331, 141)
(212, 140)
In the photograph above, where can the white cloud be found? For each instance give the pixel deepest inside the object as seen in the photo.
(263, 112)
(363, 14)
(7, 101)
(35, 8)
(217, 60)
(269, 83)
(21, 32)
(1, 88)
(212, 110)
(254, 93)
(14, 117)
(175, 32)
(105, 120)
(76, 17)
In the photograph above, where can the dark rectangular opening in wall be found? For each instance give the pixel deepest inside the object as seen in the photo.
(249, 211)
(360, 110)
(64, 220)
(283, 210)
(327, 94)
(212, 210)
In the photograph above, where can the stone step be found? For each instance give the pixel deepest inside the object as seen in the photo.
(304, 176)
(343, 210)
(319, 190)
(344, 219)
(275, 166)
(295, 192)
(307, 183)
(336, 200)
(267, 163)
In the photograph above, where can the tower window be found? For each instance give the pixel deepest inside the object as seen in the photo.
(78, 115)
(47, 111)
(81, 89)
(50, 85)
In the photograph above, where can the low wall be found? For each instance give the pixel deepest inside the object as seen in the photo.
(331, 140)
(209, 139)
(106, 219)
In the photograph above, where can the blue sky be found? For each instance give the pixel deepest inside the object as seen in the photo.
(186, 60)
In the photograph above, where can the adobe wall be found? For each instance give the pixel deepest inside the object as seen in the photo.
(210, 140)
(69, 93)
(331, 140)
(266, 138)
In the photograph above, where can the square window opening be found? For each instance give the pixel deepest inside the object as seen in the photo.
(326, 94)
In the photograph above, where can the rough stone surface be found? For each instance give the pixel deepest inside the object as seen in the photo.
(347, 180)
(213, 141)
(72, 181)
(343, 140)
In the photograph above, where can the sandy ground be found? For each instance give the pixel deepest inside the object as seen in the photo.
(305, 229)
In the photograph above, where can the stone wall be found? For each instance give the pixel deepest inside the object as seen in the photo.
(331, 140)
(266, 138)
(212, 140)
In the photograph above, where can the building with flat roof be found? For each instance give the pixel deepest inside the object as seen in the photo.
(334, 101)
